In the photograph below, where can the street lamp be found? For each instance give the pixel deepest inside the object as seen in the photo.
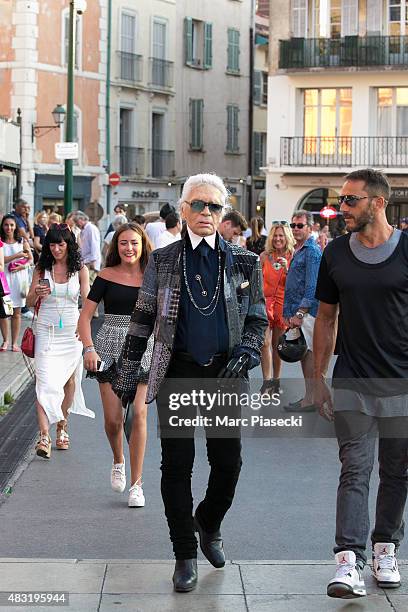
(75, 6)
(58, 114)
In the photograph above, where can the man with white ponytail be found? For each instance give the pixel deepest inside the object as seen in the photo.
(202, 298)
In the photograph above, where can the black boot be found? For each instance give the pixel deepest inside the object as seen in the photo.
(185, 575)
(211, 545)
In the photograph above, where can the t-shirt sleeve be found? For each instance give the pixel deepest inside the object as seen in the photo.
(326, 288)
(97, 291)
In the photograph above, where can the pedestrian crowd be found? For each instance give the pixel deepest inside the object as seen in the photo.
(198, 295)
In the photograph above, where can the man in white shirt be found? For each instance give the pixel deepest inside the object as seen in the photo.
(90, 241)
(172, 233)
(154, 229)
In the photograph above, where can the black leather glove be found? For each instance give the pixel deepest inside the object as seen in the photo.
(237, 367)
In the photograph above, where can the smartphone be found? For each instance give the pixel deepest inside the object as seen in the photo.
(100, 365)
(44, 282)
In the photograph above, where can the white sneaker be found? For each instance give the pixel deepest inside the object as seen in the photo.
(136, 497)
(348, 582)
(118, 477)
(29, 315)
(385, 566)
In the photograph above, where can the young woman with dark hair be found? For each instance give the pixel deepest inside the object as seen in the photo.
(256, 243)
(17, 260)
(118, 286)
(59, 278)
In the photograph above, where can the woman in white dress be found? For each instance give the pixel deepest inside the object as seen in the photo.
(17, 261)
(59, 278)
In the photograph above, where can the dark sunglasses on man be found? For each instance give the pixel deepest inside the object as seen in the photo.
(298, 225)
(199, 205)
(350, 200)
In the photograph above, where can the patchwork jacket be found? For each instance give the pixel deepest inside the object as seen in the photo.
(156, 311)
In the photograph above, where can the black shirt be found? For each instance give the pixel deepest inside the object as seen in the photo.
(201, 336)
(117, 299)
(373, 317)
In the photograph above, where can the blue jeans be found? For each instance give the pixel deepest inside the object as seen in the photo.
(356, 434)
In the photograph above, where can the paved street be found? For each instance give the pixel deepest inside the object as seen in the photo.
(65, 508)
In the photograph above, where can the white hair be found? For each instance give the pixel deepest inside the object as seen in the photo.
(212, 180)
(119, 220)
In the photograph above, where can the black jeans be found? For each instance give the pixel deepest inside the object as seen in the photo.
(356, 435)
(224, 457)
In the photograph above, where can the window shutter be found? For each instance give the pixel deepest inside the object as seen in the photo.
(207, 45)
(188, 40)
(349, 17)
(236, 128)
(257, 152)
(374, 16)
(257, 86)
(229, 128)
(233, 50)
(196, 124)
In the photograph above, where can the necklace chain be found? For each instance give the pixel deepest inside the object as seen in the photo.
(216, 295)
(60, 312)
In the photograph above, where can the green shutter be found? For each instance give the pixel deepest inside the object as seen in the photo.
(257, 86)
(232, 128)
(196, 124)
(257, 152)
(188, 40)
(207, 45)
(236, 51)
(233, 50)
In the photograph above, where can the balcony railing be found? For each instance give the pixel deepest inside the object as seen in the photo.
(345, 151)
(162, 163)
(130, 67)
(161, 73)
(304, 53)
(131, 161)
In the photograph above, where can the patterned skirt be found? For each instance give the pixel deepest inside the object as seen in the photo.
(109, 343)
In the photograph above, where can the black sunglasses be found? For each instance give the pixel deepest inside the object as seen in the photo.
(298, 225)
(350, 200)
(199, 205)
(280, 223)
(59, 226)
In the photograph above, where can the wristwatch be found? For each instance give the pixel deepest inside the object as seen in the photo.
(300, 314)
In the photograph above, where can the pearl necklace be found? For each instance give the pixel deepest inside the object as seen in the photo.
(216, 295)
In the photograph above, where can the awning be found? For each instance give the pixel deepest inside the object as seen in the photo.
(261, 40)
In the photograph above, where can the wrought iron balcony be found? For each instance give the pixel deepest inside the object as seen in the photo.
(130, 67)
(359, 51)
(345, 151)
(132, 162)
(162, 163)
(161, 73)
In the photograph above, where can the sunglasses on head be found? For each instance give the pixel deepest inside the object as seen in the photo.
(199, 205)
(350, 200)
(298, 225)
(59, 226)
(280, 223)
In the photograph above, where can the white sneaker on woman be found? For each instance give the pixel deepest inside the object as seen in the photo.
(348, 581)
(118, 477)
(136, 496)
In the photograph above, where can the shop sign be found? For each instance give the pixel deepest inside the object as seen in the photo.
(145, 194)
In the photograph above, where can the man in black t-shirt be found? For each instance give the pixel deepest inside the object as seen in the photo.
(364, 276)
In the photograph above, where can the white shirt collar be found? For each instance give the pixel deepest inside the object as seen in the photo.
(195, 240)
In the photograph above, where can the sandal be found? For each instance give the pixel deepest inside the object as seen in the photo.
(62, 441)
(43, 446)
(4, 347)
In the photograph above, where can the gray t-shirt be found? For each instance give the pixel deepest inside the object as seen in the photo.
(346, 399)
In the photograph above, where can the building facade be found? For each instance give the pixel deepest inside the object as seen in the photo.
(33, 74)
(143, 106)
(213, 92)
(338, 100)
